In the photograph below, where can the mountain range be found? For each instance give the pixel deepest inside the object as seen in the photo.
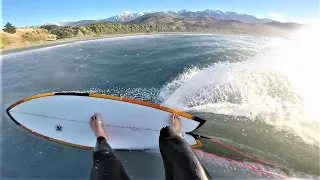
(272, 28)
(217, 14)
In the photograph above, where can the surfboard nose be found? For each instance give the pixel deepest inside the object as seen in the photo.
(11, 117)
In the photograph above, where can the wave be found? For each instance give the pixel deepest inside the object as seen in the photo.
(279, 87)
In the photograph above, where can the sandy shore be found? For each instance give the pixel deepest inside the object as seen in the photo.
(20, 48)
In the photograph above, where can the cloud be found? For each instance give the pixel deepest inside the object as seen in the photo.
(276, 16)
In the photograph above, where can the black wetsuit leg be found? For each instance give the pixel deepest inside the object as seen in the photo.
(180, 161)
(105, 164)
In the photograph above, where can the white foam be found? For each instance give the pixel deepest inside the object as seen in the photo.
(280, 85)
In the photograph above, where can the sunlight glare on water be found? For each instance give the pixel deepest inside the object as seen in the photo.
(280, 86)
(298, 60)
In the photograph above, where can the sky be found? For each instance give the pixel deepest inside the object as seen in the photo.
(36, 12)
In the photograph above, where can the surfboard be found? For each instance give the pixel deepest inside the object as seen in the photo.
(131, 124)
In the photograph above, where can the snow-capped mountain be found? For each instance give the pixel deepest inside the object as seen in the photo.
(77, 23)
(178, 12)
(127, 16)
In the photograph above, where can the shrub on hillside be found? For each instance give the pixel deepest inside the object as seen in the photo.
(60, 31)
(116, 28)
(9, 28)
(85, 30)
(31, 37)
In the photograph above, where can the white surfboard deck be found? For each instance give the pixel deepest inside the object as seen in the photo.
(65, 119)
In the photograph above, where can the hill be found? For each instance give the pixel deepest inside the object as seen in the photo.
(217, 14)
(217, 25)
(25, 36)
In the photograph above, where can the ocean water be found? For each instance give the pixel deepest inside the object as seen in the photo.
(258, 95)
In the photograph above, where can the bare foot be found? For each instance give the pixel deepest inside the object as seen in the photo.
(176, 123)
(96, 125)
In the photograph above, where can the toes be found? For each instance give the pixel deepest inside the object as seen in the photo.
(174, 116)
(97, 115)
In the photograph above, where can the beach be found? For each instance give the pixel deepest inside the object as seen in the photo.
(26, 47)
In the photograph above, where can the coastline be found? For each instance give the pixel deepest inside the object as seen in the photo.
(26, 47)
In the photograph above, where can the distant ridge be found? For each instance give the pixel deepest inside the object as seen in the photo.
(217, 14)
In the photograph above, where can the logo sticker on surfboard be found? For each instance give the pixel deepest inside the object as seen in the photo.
(59, 128)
